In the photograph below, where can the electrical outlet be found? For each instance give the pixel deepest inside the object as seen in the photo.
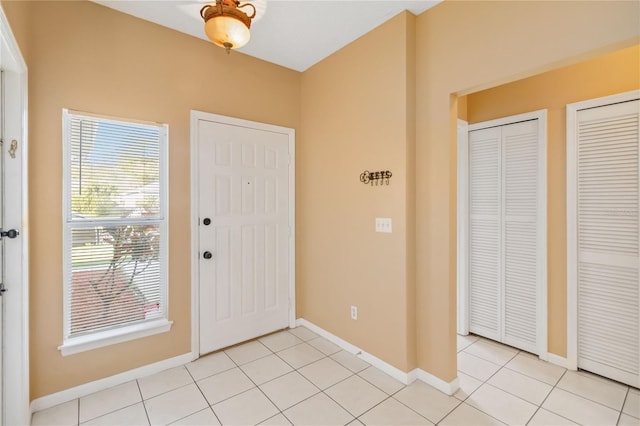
(354, 312)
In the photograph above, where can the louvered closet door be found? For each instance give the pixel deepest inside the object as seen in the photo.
(519, 233)
(484, 232)
(503, 235)
(608, 285)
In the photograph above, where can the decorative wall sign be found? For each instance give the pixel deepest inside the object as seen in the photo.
(380, 178)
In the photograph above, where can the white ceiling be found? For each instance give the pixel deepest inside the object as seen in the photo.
(293, 33)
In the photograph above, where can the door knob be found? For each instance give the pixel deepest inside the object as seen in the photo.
(207, 255)
(206, 221)
(11, 233)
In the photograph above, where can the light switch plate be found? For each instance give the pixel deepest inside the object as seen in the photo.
(383, 224)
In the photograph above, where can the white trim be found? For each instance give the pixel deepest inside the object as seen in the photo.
(101, 339)
(559, 361)
(404, 377)
(381, 365)
(93, 340)
(542, 332)
(462, 277)
(195, 235)
(195, 241)
(463, 189)
(66, 395)
(15, 360)
(344, 345)
(292, 227)
(572, 215)
(448, 388)
(527, 116)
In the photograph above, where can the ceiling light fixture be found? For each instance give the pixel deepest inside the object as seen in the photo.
(226, 25)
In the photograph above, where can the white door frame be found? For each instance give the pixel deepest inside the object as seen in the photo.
(572, 215)
(195, 234)
(462, 277)
(463, 221)
(16, 299)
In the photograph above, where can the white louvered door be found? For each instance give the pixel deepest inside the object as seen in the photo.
(505, 270)
(519, 233)
(608, 327)
(484, 232)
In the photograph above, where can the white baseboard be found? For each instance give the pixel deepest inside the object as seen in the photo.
(108, 382)
(445, 387)
(560, 361)
(407, 378)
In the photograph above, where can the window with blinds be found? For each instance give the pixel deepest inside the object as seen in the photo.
(115, 225)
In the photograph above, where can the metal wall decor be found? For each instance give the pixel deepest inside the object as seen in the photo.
(380, 178)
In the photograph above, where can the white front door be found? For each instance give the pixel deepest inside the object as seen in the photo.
(244, 232)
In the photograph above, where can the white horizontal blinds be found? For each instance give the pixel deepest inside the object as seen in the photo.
(608, 286)
(114, 223)
(520, 183)
(484, 232)
(114, 169)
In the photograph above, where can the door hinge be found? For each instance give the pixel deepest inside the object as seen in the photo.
(2, 288)
(13, 148)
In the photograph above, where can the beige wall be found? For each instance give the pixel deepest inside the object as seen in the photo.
(606, 75)
(386, 101)
(463, 47)
(89, 58)
(357, 114)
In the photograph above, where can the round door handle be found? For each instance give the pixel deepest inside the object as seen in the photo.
(207, 255)
(206, 221)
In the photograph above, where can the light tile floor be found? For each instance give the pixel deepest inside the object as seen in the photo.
(296, 377)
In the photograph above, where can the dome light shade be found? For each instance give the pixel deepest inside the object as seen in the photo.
(226, 25)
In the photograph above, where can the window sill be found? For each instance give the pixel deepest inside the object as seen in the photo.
(76, 345)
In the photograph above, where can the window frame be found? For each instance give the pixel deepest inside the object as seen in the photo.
(118, 334)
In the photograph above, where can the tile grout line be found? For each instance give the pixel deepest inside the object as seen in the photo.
(589, 399)
(547, 397)
(376, 405)
(323, 391)
(623, 403)
(376, 386)
(554, 386)
(451, 411)
(388, 396)
(202, 393)
(405, 405)
(294, 368)
(254, 383)
(296, 371)
(486, 382)
(144, 406)
(112, 411)
(276, 405)
(239, 366)
(338, 382)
